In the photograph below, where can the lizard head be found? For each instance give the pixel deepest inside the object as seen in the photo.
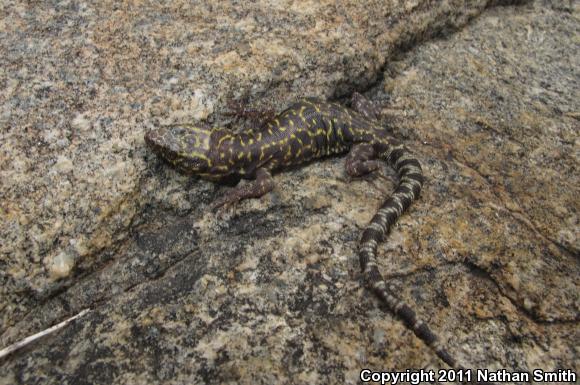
(185, 147)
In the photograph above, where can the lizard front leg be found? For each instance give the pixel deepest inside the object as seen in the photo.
(263, 184)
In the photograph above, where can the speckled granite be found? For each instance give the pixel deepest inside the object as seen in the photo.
(272, 292)
(82, 82)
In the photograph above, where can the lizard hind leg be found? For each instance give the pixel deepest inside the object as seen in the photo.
(360, 163)
(361, 160)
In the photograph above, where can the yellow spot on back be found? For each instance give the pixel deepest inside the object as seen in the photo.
(224, 137)
(195, 154)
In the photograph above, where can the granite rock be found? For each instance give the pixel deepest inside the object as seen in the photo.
(271, 292)
(82, 82)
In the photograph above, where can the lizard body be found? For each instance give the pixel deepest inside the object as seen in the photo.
(308, 130)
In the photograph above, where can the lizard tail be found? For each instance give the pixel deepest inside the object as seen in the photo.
(411, 180)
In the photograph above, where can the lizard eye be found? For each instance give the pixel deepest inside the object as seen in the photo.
(177, 131)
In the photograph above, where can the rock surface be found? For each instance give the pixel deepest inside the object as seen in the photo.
(271, 293)
(82, 82)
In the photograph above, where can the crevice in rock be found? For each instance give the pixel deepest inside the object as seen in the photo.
(516, 214)
(530, 315)
(343, 91)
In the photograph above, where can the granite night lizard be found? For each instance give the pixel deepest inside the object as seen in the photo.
(307, 130)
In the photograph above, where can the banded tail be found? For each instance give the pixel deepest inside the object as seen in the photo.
(408, 189)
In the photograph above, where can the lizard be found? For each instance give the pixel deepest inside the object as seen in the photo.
(307, 130)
